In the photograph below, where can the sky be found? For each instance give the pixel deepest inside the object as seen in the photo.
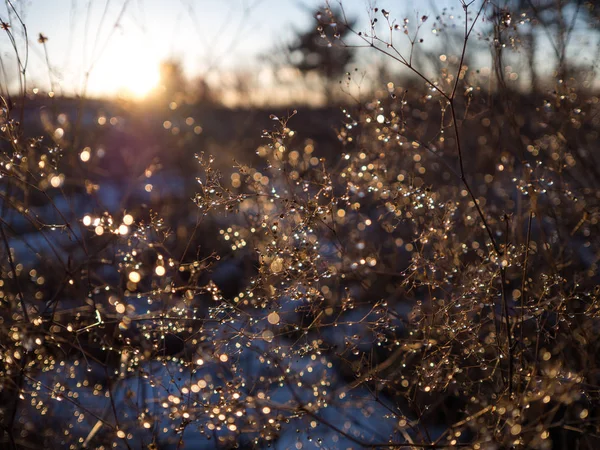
(121, 43)
(124, 41)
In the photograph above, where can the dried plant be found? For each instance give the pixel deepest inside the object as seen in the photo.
(433, 285)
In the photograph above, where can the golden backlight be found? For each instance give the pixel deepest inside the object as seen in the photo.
(129, 74)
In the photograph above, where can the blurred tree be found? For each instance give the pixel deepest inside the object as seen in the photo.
(173, 82)
(553, 20)
(175, 86)
(321, 50)
(204, 93)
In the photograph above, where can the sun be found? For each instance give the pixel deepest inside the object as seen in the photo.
(138, 82)
(127, 73)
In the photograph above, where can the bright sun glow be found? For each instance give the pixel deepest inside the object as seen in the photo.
(130, 73)
(140, 81)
